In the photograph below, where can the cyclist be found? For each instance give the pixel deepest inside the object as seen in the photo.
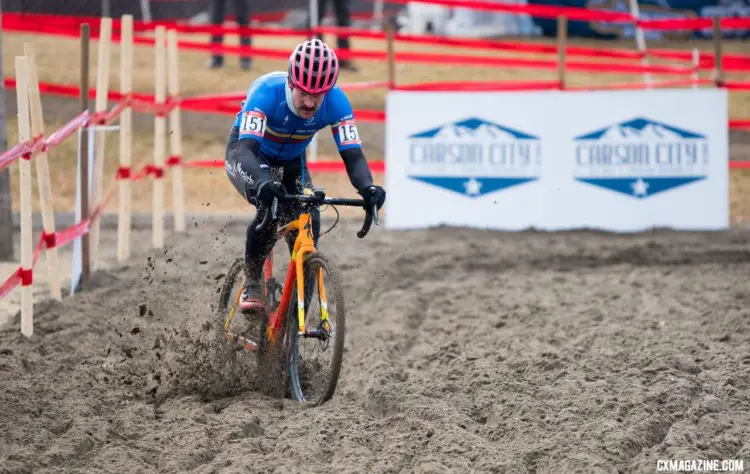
(265, 154)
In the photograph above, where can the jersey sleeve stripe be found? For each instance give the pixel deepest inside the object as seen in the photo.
(285, 135)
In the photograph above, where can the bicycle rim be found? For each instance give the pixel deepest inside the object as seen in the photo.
(240, 328)
(315, 363)
(230, 279)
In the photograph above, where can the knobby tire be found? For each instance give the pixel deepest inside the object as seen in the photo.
(332, 284)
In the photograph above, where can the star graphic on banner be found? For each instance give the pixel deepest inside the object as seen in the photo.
(472, 187)
(640, 187)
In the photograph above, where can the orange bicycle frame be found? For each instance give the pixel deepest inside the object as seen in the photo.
(303, 245)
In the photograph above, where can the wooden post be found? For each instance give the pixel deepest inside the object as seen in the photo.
(102, 91)
(6, 197)
(718, 69)
(42, 171)
(85, 239)
(126, 140)
(159, 145)
(391, 55)
(27, 246)
(562, 43)
(175, 136)
(696, 66)
(640, 41)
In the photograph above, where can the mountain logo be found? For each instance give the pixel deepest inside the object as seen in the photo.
(474, 157)
(641, 157)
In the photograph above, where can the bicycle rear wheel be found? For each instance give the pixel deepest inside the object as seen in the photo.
(249, 331)
(314, 359)
(240, 328)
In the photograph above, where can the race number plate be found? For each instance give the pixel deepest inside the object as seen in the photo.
(348, 133)
(253, 123)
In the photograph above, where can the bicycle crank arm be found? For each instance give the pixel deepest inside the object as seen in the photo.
(317, 334)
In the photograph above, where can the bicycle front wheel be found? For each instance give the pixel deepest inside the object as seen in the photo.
(315, 356)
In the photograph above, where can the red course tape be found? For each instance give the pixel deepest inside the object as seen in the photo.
(156, 171)
(27, 276)
(123, 172)
(51, 25)
(13, 281)
(50, 240)
(737, 85)
(694, 24)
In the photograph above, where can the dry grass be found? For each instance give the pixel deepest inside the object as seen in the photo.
(58, 62)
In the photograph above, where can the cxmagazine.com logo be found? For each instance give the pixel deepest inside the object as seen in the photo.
(474, 157)
(641, 157)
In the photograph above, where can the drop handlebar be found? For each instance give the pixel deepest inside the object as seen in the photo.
(370, 214)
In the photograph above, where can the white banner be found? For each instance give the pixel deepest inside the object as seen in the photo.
(612, 160)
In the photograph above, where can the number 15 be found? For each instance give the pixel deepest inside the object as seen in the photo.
(348, 133)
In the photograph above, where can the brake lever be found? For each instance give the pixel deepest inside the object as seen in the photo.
(369, 216)
(269, 215)
(365, 226)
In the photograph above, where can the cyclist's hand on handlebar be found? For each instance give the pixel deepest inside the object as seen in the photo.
(373, 196)
(267, 190)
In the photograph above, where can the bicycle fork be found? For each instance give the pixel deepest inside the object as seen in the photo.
(323, 332)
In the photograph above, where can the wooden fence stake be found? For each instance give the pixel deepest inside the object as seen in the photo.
(391, 55)
(159, 145)
(126, 139)
(640, 42)
(718, 69)
(42, 171)
(175, 137)
(85, 239)
(562, 43)
(102, 91)
(27, 245)
(696, 67)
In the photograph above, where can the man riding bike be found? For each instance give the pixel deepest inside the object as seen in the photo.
(265, 155)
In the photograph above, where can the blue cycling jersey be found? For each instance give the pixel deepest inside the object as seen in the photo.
(267, 116)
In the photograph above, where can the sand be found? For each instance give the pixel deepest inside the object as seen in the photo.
(466, 351)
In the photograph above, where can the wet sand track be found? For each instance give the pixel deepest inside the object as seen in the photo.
(466, 351)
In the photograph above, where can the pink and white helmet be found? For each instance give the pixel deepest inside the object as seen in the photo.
(313, 67)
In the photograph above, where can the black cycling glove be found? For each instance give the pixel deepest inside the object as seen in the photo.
(267, 190)
(373, 196)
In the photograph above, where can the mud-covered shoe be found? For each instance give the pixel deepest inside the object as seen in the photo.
(252, 296)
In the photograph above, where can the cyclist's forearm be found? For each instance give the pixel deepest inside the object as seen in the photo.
(249, 162)
(356, 167)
